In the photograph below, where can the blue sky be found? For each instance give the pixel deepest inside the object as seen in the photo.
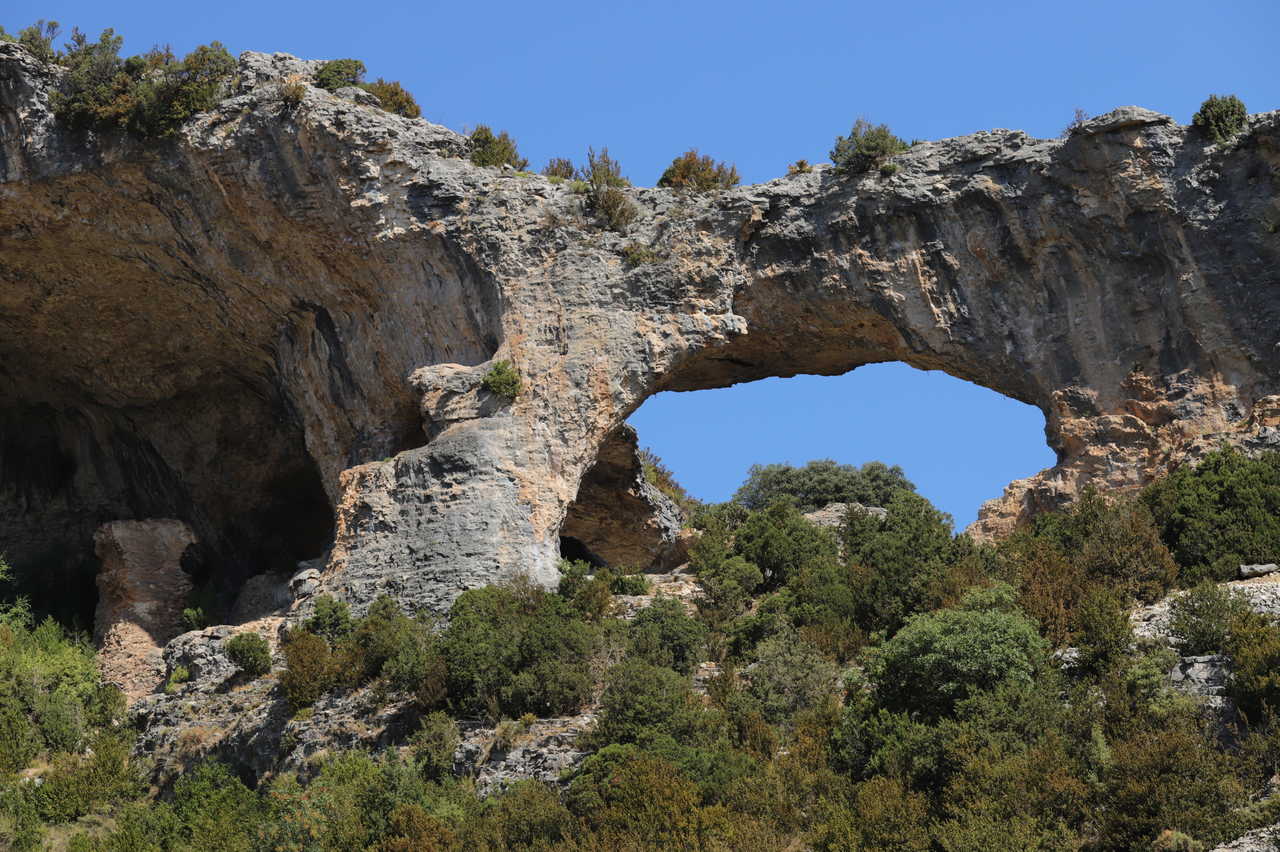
(761, 85)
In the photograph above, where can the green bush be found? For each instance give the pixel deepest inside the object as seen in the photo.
(516, 649)
(789, 675)
(820, 482)
(331, 619)
(488, 149)
(1220, 513)
(310, 669)
(603, 176)
(37, 39)
(799, 167)
(1221, 117)
(560, 167)
(664, 635)
(503, 380)
(1201, 620)
(433, 746)
(634, 254)
(641, 700)
(394, 97)
(340, 73)
(867, 145)
(940, 658)
(694, 173)
(780, 542)
(250, 652)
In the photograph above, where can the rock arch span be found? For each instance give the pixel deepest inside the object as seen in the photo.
(340, 279)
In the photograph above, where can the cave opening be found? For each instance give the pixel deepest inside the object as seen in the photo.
(959, 442)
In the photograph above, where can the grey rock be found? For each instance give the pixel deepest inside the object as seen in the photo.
(359, 95)
(1203, 675)
(1249, 571)
(544, 752)
(1259, 840)
(262, 595)
(264, 283)
(833, 514)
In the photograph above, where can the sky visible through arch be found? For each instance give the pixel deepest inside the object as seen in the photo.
(761, 84)
(960, 443)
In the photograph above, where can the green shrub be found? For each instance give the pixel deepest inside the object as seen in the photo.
(940, 658)
(418, 666)
(1221, 117)
(180, 675)
(19, 741)
(503, 380)
(180, 90)
(560, 167)
(516, 649)
(340, 73)
(1253, 642)
(331, 619)
(867, 145)
(1220, 513)
(781, 543)
(820, 482)
(641, 700)
(628, 584)
(394, 97)
(193, 618)
(383, 633)
(38, 40)
(657, 474)
(694, 173)
(664, 635)
(488, 149)
(604, 179)
(310, 669)
(634, 254)
(250, 652)
(799, 167)
(789, 675)
(1201, 620)
(889, 169)
(433, 746)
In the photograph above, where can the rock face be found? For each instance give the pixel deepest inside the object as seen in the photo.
(141, 592)
(222, 327)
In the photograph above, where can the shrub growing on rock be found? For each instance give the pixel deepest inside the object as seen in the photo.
(503, 380)
(560, 167)
(394, 97)
(698, 173)
(310, 669)
(490, 149)
(664, 634)
(1221, 117)
(340, 73)
(1201, 620)
(250, 652)
(866, 146)
(604, 179)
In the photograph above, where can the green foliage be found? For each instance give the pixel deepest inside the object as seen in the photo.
(799, 167)
(694, 173)
(820, 482)
(603, 176)
(1201, 620)
(340, 73)
(488, 149)
(560, 167)
(789, 675)
(1220, 513)
(641, 700)
(150, 95)
(503, 380)
(250, 652)
(310, 669)
(331, 619)
(664, 635)
(1221, 117)
(1104, 631)
(193, 618)
(779, 541)
(867, 145)
(38, 40)
(394, 97)
(1253, 642)
(634, 254)
(516, 649)
(940, 658)
(433, 746)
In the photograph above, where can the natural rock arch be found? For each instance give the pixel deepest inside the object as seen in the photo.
(293, 267)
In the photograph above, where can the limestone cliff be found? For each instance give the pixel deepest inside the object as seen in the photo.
(221, 328)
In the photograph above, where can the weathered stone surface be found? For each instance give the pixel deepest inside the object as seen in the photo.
(1259, 840)
(543, 751)
(834, 514)
(1249, 571)
(141, 592)
(263, 286)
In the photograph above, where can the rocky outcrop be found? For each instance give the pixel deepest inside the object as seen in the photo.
(142, 590)
(262, 287)
(833, 515)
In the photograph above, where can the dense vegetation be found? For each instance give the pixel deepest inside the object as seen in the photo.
(882, 685)
(698, 173)
(867, 145)
(1221, 117)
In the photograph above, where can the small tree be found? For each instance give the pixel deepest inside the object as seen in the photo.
(1221, 116)
(488, 149)
(503, 380)
(866, 146)
(697, 173)
(560, 167)
(340, 73)
(393, 97)
(603, 175)
(250, 652)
